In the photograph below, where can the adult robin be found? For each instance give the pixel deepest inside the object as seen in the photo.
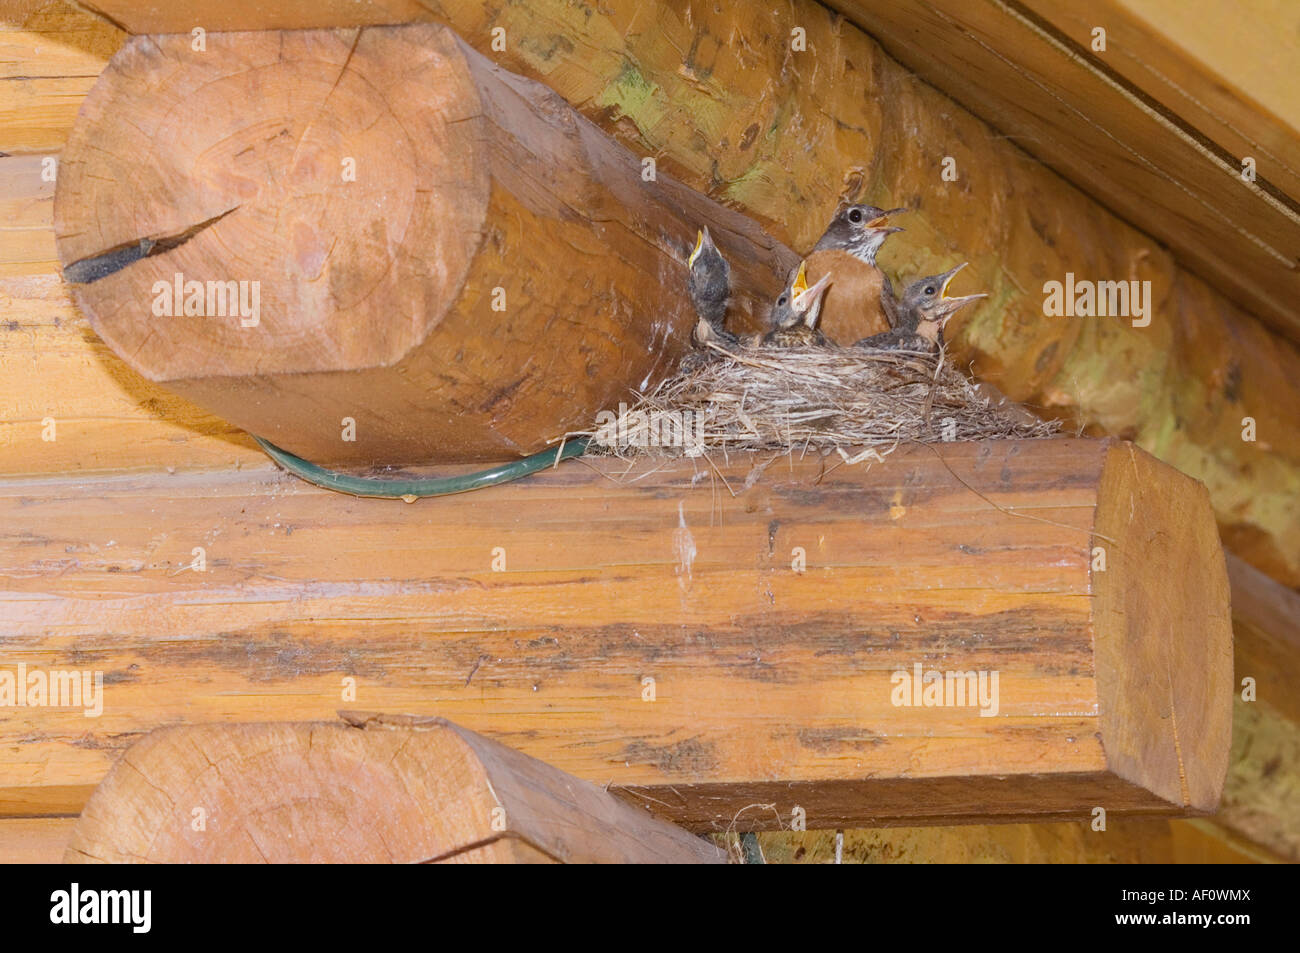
(920, 315)
(796, 312)
(860, 296)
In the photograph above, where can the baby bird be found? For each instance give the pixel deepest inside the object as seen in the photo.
(709, 283)
(920, 315)
(860, 295)
(794, 316)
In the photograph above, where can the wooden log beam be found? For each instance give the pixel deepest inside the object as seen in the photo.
(109, 418)
(1261, 797)
(1223, 73)
(1062, 102)
(1266, 619)
(377, 789)
(418, 255)
(657, 636)
(1109, 121)
(1129, 840)
(51, 52)
(34, 840)
(741, 116)
(26, 204)
(1258, 817)
(44, 840)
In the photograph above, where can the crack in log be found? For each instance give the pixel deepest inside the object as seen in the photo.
(104, 16)
(86, 270)
(488, 842)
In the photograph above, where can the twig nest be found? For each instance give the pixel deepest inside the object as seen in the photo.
(858, 402)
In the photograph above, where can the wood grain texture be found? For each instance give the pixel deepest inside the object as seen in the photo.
(729, 109)
(496, 272)
(1127, 840)
(26, 203)
(1225, 72)
(374, 790)
(51, 52)
(1063, 104)
(34, 840)
(106, 417)
(1262, 791)
(1177, 393)
(1266, 618)
(1163, 559)
(1261, 796)
(769, 684)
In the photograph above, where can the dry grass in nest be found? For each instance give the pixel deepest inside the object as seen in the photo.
(858, 403)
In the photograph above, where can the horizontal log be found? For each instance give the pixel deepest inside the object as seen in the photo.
(769, 684)
(50, 55)
(1261, 795)
(1027, 68)
(26, 201)
(1128, 840)
(379, 789)
(105, 416)
(1180, 387)
(1262, 788)
(1063, 103)
(1266, 620)
(109, 418)
(419, 256)
(44, 840)
(34, 840)
(1221, 73)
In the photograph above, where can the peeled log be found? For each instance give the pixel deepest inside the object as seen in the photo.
(768, 685)
(383, 789)
(497, 272)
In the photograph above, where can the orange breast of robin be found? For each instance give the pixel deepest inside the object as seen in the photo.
(851, 306)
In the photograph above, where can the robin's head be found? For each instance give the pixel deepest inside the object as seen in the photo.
(859, 230)
(926, 305)
(799, 302)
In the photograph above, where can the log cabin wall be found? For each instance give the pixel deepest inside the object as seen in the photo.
(723, 102)
(740, 121)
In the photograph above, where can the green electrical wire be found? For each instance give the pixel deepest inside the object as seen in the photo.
(415, 489)
(751, 850)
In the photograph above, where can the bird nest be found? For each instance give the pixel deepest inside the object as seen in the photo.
(855, 402)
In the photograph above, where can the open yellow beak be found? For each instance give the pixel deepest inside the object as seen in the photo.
(802, 301)
(699, 246)
(947, 279)
(800, 284)
(951, 305)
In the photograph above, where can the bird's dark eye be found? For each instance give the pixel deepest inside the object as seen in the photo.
(855, 216)
(782, 300)
(929, 289)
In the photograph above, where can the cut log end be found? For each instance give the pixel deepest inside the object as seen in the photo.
(334, 177)
(928, 639)
(404, 790)
(1163, 631)
(374, 246)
